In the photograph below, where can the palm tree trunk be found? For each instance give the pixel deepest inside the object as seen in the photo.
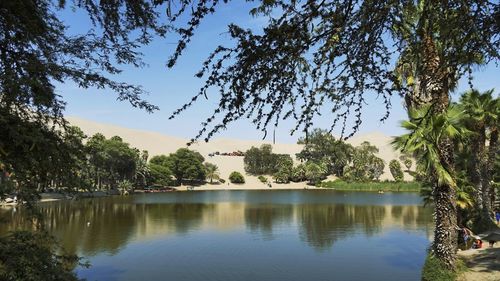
(434, 82)
(489, 169)
(476, 166)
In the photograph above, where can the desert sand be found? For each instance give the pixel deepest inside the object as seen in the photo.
(157, 143)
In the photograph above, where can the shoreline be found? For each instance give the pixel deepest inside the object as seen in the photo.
(53, 196)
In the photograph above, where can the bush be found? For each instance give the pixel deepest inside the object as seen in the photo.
(262, 179)
(236, 177)
(435, 270)
(28, 255)
(222, 180)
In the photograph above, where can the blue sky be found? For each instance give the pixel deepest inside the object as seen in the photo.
(170, 88)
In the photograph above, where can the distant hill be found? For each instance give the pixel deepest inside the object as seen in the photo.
(157, 143)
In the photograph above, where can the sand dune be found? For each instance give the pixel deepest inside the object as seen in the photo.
(157, 143)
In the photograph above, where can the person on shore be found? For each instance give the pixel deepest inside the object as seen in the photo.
(491, 242)
(478, 244)
(497, 216)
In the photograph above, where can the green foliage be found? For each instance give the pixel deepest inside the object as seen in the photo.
(373, 186)
(34, 256)
(365, 165)
(406, 161)
(435, 270)
(159, 171)
(37, 146)
(125, 185)
(262, 179)
(211, 171)
(236, 177)
(321, 146)
(315, 172)
(285, 166)
(396, 171)
(111, 161)
(186, 164)
(261, 161)
(283, 175)
(424, 133)
(299, 173)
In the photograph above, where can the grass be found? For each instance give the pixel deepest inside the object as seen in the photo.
(435, 270)
(372, 186)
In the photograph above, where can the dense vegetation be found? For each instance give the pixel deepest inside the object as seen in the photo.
(322, 155)
(316, 53)
(472, 126)
(260, 161)
(34, 256)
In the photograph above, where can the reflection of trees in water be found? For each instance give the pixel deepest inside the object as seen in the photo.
(322, 225)
(263, 217)
(115, 221)
(181, 217)
(89, 227)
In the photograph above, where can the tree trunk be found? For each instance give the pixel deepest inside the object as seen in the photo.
(489, 169)
(476, 166)
(434, 82)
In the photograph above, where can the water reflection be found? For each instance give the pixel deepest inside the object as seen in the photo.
(89, 227)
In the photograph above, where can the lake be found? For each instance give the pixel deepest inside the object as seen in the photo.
(242, 235)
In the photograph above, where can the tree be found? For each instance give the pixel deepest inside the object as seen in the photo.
(236, 177)
(309, 55)
(159, 171)
(321, 146)
(425, 136)
(333, 52)
(396, 171)
(482, 114)
(406, 161)
(261, 161)
(299, 173)
(315, 172)
(142, 169)
(32, 256)
(211, 171)
(365, 165)
(186, 164)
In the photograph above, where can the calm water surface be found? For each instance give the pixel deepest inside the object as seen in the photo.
(243, 235)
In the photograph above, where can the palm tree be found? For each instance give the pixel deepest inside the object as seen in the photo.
(482, 116)
(430, 139)
(212, 171)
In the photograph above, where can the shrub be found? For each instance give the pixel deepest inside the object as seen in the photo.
(222, 180)
(283, 175)
(236, 177)
(28, 255)
(262, 179)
